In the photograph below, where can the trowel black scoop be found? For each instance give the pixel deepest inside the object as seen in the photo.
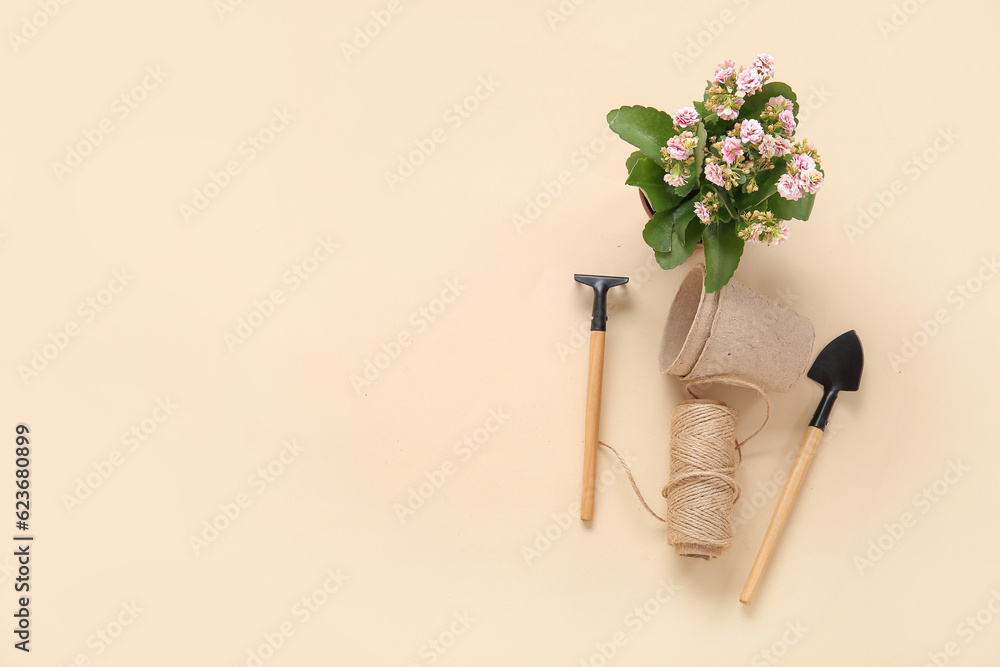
(838, 368)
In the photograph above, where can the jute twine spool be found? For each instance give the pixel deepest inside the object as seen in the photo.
(702, 490)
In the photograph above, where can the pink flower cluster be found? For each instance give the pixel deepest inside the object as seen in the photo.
(802, 178)
(706, 207)
(686, 116)
(678, 154)
(732, 149)
(702, 212)
(765, 64)
(731, 85)
(682, 146)
(761, 227)
(715, 174)
(740, 155)
(751, 130)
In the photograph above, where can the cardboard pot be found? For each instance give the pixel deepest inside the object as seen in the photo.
(736, 332)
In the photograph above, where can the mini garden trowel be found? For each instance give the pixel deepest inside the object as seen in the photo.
(838, 368)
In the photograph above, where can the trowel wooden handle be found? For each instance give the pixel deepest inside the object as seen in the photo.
(595, 380)
(788, 494)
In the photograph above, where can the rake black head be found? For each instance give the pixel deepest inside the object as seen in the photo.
(601, 285)
(838, 368)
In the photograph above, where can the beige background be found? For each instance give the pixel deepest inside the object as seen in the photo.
(880, 83)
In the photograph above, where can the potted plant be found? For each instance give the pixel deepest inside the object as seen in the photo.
(723, 172)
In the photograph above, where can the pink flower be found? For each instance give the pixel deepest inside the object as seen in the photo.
(789, 188)
(685, 116)
(702, 212)
(810, 180)
(787, 119)
(781, 102)
(681, 146)
(752, 131)
(768, 146)
(674, 179)
(722, 72)
(722, 75)
(732, 149)
(727, 113)
(714, 173)
(676, 150)
(803, 162)
(776, 235)
(749, 81)
(765, 63)
(731, 109)
(752, 232)
(782, 146)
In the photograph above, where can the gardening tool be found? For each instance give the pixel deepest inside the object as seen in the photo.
(838, 368)
(595, 379)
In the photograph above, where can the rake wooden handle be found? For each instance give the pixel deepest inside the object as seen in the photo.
(809, 445)
(595, 381)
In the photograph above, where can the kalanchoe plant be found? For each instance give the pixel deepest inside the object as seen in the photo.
(724, 171)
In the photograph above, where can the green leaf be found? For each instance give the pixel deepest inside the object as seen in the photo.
(658, 233)
(726, 200)
(685, 190)
(645, 128)
(647, 175)
(786, 210)
(632, 160)
(717, 127)
(754, 105)
(684, 237)
(723, 249)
